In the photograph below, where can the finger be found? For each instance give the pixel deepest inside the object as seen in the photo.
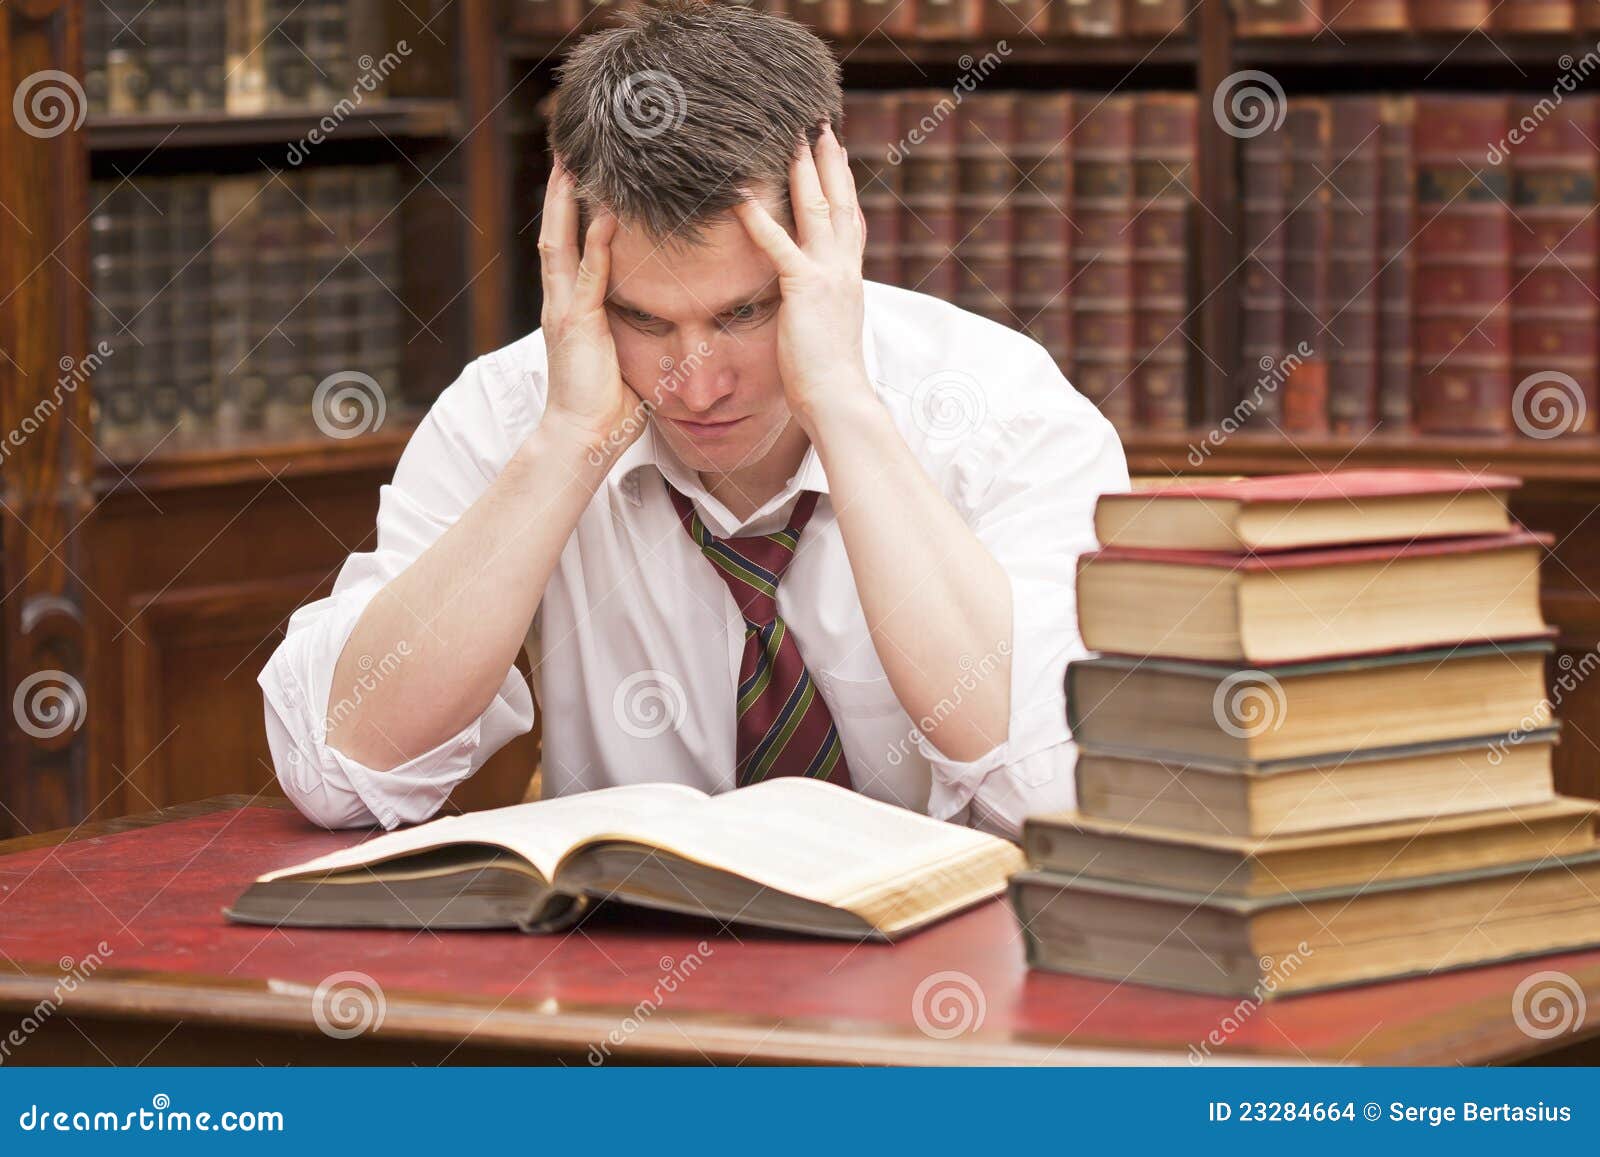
(770, 237)
(839, 186)
(594, 270)
(813, 223)
(558, 237)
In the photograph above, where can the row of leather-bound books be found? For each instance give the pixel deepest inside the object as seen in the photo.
(241, 56)
(910, 19)
(224, 301)
(1066, 215)
(1424, 254)
(1309, 17)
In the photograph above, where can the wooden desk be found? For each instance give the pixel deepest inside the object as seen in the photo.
(180, 985)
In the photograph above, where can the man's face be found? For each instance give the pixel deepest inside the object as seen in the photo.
(696, 332)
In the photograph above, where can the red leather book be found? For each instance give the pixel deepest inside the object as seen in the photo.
(871, 132)
(1534, 16)
(1397, 264)
(1556, 255)
(1003, 18)
(929, 182)
(1042, 226)
(1278, 17)
(1370, 16)
(1263, 343)
(1155, 17)
(1101, 290)
(829, 17)
(869, 18)
(1307, 249)
(1450, 15)
(1164, 151)
(985, 126)
(1355, 181)
(1461, 310)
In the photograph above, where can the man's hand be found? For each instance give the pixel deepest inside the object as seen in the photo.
(588, 399)
(819, 275)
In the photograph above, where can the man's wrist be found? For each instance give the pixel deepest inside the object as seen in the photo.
(848, 407)
(558, 451)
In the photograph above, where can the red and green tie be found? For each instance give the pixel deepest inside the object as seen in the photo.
(784, 726)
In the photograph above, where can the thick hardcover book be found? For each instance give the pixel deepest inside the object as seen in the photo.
(1266, 946)
(1534, 16)
(1278, 17)
(1264, 340)
(985, 129)
(1101, 291)
(1293, 605)
(1355, 222)
(1041, 222)
(1451, 15)
(791, 853)
(1396, 234)
(1164, 152)
(1462, 311)
(871, 128)
(1307, 244)
(1279, 511)
(1227, 715)
(1142, 851)
(929, 186)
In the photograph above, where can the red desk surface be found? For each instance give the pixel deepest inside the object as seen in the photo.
(154, 896)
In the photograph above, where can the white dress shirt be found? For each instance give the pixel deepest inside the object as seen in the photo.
(636, 645)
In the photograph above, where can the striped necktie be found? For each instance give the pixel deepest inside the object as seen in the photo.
(784, 727)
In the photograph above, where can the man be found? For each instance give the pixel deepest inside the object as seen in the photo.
(748, 515)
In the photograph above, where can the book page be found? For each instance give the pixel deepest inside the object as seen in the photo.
(540, 832)
(809, 838)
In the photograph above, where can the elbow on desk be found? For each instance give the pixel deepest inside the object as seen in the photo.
(323, 795)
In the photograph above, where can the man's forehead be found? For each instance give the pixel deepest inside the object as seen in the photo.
(718, 299)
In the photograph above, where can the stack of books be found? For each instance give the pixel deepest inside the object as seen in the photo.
(1316, 747)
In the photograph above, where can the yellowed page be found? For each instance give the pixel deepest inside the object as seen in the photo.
(540, 832)
(811, 839)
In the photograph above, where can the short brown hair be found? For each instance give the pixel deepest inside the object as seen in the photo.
(665, 117)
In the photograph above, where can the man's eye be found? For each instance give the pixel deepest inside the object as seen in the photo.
(639, 316)
(743, 313)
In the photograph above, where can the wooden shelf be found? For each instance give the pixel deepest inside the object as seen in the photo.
(141, 132)
(1572, 459)
(1023, 49)
(178, 463)
(1537, 51)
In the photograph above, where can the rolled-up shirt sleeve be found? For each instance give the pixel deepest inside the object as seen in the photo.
(455, 453)
(1028, 493)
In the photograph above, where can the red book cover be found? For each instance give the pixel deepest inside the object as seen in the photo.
(1341, 485)
(1284, 560)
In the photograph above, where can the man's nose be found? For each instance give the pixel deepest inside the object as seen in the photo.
(699, 379)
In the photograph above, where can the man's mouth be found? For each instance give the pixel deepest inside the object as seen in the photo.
(706, 430)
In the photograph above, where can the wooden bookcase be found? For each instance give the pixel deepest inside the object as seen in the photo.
(159, 584)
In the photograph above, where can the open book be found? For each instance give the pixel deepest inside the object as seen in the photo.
(791, 853)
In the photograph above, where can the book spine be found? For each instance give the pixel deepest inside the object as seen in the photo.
(1042, 223)
(1463, 283)
(870, 129)
(1164, 152)
(892, 18)
(247, 33)
(1555, 317)
(985, 266)
(1307, 245)
(1370, 16)
(1534, 16)
(1091, 17)
(1450, 15)
(1353, 265)
(1396, 275)
(206, 31)
(1154, 18)
(189, 238)
(929, 182)
(1263, 344)
(1102, 255)
(1272, 18)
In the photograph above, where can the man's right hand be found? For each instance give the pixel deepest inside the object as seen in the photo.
(588, 399)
